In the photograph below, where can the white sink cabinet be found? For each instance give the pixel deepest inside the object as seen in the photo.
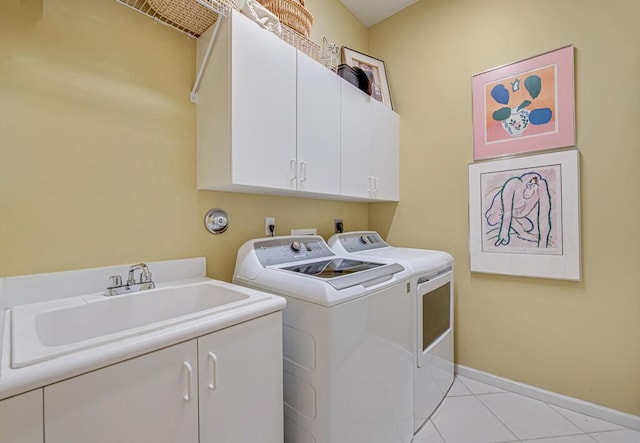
(142, 399)
(240, 388)
(272, 121)
(202, 390)
(21, 418)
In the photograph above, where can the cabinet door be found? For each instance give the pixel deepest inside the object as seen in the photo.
(152, 398)
(355, 131)
(385, 140)
(21, 418)
(241, 383)
(318, 127)
(263, 107)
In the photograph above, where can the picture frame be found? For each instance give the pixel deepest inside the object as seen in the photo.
(375, 70)
(524, 216)
(525, 106)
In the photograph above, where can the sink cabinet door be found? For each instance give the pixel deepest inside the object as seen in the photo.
(240, 393)
(21, 418)
(145, 399)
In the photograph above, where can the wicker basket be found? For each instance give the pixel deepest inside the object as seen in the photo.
(291, 13)
(188, 14)
(300, 42)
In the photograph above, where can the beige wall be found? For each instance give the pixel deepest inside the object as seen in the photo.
(335, 22)
(97, 144)
(580, 339)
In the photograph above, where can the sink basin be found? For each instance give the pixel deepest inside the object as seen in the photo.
(47, 330)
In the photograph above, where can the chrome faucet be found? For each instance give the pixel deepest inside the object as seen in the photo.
(116, 287)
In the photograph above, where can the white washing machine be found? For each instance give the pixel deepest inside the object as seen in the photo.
(347, 340)
(432, 287)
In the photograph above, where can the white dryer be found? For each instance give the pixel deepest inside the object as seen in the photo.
(347, 340)
(432, 288)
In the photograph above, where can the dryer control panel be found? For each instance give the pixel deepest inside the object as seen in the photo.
(292, 249)
(361, 241)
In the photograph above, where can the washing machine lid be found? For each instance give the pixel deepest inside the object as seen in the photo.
(342, 273)
(369, 245)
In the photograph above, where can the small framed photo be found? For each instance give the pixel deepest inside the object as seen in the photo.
(374, 69)
(525, 106)
(524, 216)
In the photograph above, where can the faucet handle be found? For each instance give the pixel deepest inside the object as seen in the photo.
(116, 281)
(145, 275)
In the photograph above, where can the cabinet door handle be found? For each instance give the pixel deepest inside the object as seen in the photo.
(370, 184)
(303, 171)
(292, 169)
(214, 371)
(376, 182)
(189, 394)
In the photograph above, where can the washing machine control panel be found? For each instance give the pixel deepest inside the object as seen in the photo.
(361, 241)
(277, 251)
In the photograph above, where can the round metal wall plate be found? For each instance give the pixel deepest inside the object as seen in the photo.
(216, 221)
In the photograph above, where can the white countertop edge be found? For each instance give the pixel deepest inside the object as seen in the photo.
(17, 381)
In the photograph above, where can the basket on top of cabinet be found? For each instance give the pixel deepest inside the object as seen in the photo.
(291, 13)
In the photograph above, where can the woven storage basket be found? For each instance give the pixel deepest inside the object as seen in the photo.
(188, 14)
(300, 42)
(291, 13)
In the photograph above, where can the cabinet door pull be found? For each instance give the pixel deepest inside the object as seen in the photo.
(292, 169)
(189, 394)
(376, 182)
(370, 184)
(303, 171)
(214, 371)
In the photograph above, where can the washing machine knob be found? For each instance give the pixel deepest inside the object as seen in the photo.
(295, 246)
(364, 239)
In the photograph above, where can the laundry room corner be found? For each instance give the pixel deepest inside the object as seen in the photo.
(575, 338)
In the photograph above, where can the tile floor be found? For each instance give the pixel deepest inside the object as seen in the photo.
(475, 412)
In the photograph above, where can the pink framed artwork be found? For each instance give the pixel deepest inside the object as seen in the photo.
(525, 106)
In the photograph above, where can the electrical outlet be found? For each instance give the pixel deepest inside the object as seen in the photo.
(270, 226)
(338, 225)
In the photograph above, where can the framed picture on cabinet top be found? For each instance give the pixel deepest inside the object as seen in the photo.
(374, 69)
(524, 216)
(525, 106)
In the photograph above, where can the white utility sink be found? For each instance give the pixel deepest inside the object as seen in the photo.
(42, 331)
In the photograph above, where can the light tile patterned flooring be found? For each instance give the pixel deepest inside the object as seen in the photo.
(475, 412)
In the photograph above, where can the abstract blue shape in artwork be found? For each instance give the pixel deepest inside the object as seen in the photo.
(540, 116)
(500, 94)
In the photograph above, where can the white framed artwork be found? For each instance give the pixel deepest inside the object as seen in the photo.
(524, 216)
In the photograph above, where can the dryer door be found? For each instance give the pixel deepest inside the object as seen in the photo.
(435, 314)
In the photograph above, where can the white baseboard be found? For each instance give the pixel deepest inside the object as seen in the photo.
(563, 401)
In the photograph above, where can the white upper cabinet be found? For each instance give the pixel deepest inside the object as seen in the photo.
(263, 106)
(273, 121)
(385, 149)
(247, 109)
(370, 134)
(356, 143)
(318, 106)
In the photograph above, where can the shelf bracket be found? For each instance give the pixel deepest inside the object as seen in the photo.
(205, 60)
